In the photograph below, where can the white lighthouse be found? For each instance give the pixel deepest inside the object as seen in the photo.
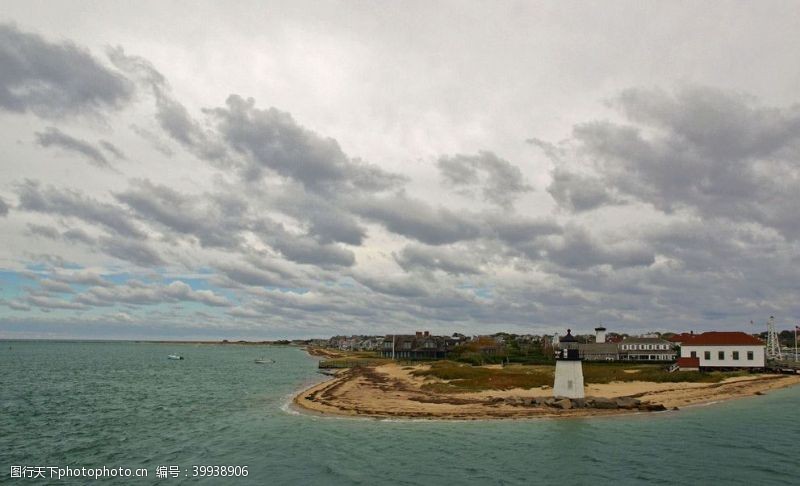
(569, 369)
(600, 333)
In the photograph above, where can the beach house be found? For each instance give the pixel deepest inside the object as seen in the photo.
(421, 345)
(724, 350)
(646, 349)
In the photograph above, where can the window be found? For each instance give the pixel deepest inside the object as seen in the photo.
(707, 355)
(749, 356)
(721, 355)
(735, 355)
(693, 354)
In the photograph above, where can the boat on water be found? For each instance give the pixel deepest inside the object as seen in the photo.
(264, 361)
(174, 356)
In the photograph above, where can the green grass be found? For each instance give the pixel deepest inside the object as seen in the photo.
(466, 378)
(460, 377)
(606, 373)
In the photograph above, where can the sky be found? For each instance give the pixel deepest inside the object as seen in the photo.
(266, 170)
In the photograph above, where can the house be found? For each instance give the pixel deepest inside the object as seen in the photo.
(724, 350)
(646, 349)
(600, 350)
(421, 345)
(688, 364)
(679, 339)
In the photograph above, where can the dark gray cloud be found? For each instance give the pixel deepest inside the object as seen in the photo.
(271, 140)
(44, 231)
(499, 181)
(577, 192)
(171, 115)
(55, 79)
(53, 137)
(418, 220)
(49, 200)
(112, 149)
(3, 207)
(131, 250)
(214, 224)
(715, 153)
(578, 249)
(425, 258)
(249, 274)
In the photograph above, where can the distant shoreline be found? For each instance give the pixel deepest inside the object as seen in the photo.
(391, 391)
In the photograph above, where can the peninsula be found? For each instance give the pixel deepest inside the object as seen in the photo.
(444, 390)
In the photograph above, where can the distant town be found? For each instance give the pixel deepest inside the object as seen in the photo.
(731, 349)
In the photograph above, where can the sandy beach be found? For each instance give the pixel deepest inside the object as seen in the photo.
(390, 390)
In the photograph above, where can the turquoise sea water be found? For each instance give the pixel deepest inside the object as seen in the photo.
(124, 404)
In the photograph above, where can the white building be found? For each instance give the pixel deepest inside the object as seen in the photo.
(724, 350)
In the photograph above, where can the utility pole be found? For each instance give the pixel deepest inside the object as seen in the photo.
(393, 346)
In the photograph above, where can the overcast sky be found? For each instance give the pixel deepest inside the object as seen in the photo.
(294, 169)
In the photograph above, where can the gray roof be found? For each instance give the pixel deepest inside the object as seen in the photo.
(598, 348)
(641, 340)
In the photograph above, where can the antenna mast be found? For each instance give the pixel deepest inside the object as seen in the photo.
(773, 345)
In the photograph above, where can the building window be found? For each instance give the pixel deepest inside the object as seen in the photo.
(693, 354)
(749, 356)
(707, 355)
(735, 355)
(721, 355)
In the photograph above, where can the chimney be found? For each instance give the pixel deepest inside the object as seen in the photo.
(419, 333)
(600, 334)
(427, 333)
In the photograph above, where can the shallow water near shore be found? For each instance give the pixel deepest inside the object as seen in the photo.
(125, 404)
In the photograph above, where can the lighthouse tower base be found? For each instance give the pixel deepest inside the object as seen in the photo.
(569, 379)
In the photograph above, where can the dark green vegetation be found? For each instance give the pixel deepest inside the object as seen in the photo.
(461, 377)
(512, 349)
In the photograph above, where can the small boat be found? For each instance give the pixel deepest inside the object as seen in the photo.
(263, 361)
(174, 356)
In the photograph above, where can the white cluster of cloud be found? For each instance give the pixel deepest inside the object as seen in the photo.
(129, 213)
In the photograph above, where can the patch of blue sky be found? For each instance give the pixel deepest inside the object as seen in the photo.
(37, 267)
(12, 284)
(290, 290)
(482, 291)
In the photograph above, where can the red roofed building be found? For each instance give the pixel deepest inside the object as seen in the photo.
(724, 349)
(689, 364)
(680, 338)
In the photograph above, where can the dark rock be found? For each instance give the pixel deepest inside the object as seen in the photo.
(578, 402)
(563, 404)
(652, 407)
(605, 403)
(627, 403)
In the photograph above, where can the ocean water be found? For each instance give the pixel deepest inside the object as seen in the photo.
(91, 405)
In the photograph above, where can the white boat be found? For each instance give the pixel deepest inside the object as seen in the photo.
(264, 361)
(174, 356)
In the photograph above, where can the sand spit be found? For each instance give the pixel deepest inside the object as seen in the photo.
(391, 391)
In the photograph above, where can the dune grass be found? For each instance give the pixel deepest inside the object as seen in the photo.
(458, 377)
